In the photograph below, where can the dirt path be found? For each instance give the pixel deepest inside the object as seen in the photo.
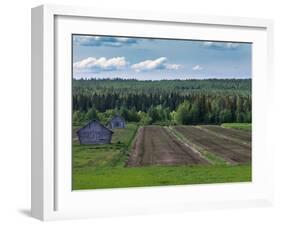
(154, 145)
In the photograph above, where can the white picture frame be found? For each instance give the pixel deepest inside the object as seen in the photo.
(52, 198)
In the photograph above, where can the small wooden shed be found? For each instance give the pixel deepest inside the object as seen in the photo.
(94, 133)
(117, 122)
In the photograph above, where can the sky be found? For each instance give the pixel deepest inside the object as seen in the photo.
(157, 59)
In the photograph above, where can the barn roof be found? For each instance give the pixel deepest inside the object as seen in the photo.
(95, 120)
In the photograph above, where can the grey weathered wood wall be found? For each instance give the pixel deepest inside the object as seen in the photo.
(117, 122)
(94, 133)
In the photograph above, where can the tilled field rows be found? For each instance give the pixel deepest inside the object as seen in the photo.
(232, 152)
(154, 145)
(244, 136)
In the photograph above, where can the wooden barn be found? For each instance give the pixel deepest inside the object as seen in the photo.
(94, 133)
(117, 122)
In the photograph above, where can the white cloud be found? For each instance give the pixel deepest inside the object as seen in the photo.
(101, 63)
(157, 64)
(173, 66)
(208, 44)
(221, 45)
(103, 41)
(231, 45)
(197, 68)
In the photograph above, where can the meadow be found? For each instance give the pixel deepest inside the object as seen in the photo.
(104, 166)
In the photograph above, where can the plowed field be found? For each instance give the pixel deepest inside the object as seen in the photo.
(231, 151)
(155, 145)
(232, 133)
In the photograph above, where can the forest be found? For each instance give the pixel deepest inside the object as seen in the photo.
(163, 102)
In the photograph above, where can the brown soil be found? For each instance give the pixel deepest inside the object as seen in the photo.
(244, 136)
(231, 151)
(154, 145)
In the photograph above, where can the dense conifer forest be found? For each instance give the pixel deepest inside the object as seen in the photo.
(165, 102)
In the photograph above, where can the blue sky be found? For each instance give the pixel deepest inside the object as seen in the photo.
(156, 59)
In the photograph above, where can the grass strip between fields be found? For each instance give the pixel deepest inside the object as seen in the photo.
(129, 147)
(125, 152)
(131, 141)
(241, 126)
(210, 157)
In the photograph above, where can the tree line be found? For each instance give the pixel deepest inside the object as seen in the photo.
(211, 101)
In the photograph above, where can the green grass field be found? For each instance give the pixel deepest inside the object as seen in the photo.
(242, 126)
(107, 155)
(102, 166)
(117, 177)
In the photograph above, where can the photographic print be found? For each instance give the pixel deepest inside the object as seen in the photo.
(158, 112)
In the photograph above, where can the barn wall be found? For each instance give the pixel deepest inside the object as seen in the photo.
(94, 133)
(119, 120)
